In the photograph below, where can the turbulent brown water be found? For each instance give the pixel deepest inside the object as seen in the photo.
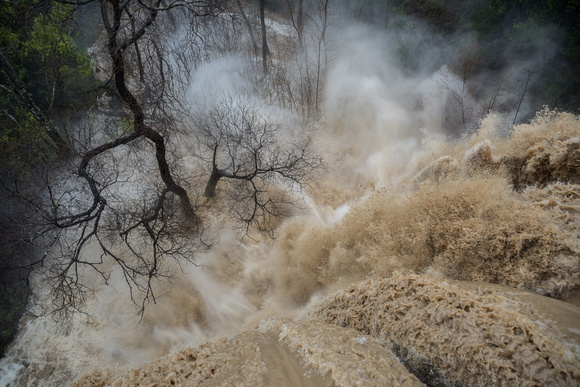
(441, 278)
(420, 260)
(338, 301)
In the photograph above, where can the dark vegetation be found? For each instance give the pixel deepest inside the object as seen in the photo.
(49, 90)
(44, 80)
(543, 35)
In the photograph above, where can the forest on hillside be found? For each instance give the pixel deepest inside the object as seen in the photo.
(134, 132)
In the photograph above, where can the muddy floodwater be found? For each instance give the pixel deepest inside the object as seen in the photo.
(397, 331)
(460, 269)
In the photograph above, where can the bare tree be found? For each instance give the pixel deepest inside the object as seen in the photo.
(529, 76)
(116, 200)
(256, 156)
(249, 27)
(300, 81)
(457, 79)
(265, 49)
(472, 94)
(298, 21)
(121, 202)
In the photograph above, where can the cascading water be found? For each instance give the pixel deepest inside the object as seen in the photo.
(384, 279)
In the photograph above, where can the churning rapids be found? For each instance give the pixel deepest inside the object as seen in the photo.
(336, 300)
(419, 261)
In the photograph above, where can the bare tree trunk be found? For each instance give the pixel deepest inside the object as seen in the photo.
(300, 24)
(210, 188)
(522, 97)
(141, 129)
(249, 26)
(324, 33)
(321, 45)
(137, 50)
(265, 49)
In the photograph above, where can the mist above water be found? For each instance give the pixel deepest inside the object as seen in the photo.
(400, 194)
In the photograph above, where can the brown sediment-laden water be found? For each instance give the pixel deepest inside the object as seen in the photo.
(419, 260)
(457, 275)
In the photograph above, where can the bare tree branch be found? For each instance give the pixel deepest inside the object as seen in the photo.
(250, 151)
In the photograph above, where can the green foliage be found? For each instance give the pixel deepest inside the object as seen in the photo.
(528, 35)
(24, 144)
(11, 23)
(439, 12)
(127, 125)
(54, 61)
(562, 80)
(485, 20)
(39, 44)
